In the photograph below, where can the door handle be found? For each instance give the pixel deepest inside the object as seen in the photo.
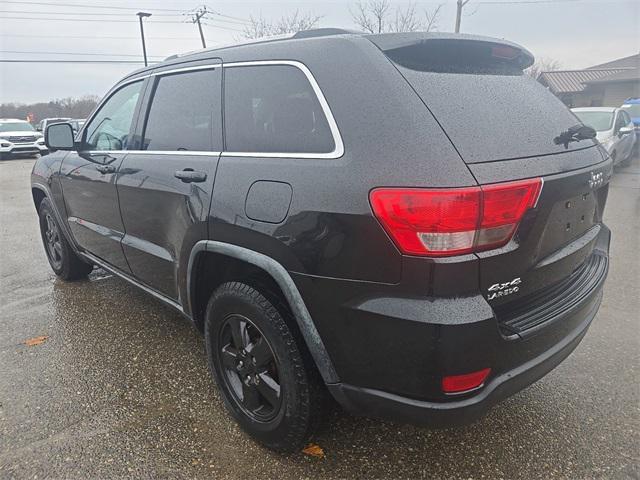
(106, 168)
(188, 175)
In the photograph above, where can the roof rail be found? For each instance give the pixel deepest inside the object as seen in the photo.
(323, 32)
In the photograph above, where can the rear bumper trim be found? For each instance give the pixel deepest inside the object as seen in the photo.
(366, 401)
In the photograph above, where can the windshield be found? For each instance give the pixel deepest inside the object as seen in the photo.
(15, 127)
(633, 109)
(601, 121)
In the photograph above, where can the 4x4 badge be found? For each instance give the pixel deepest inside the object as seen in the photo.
(503, 289)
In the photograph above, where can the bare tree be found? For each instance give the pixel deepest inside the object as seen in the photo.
(371, 15)
(406, 19)
(64, 107)
(543, 64)
(376, 16)
(294, 22)
(431, 23)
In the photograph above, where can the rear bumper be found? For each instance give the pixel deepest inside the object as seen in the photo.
(392, 351)
(365, 401)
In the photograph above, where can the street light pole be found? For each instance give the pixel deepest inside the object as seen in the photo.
(141, 15)
(459, 5)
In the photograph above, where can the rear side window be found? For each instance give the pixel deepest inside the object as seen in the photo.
(273, 109)
(185, 113)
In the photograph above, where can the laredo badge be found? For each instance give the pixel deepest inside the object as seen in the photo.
(503, 289)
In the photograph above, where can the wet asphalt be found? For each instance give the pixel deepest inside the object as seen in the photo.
(120, 387)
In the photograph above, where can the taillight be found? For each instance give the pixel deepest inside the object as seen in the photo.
(465, 382)
(444, 222)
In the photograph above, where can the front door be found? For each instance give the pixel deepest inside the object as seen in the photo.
(165, 188)
(88, 177)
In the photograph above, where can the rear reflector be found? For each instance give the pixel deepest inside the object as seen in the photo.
(465, 382)
(445, 222)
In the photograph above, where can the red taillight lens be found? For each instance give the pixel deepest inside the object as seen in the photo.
(466, 382)
(445, 222)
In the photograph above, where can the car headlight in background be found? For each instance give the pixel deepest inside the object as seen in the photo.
(40, 140)
(608, 143)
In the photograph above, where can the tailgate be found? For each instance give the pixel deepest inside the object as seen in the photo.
(556, 239)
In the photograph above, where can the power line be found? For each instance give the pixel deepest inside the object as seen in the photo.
(56, 4)
(76, 53)
(123, 62)
(22, 35)
(174, 22)
(101, 14)
(244, 20)
(85, 20)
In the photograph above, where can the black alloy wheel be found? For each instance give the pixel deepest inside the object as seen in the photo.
(53, 241)
(250, 368)
(64, 261)
(265, 375)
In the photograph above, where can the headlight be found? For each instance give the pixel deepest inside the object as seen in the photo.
(40, 140)
(608, 143)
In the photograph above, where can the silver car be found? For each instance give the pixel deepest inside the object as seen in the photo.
(615, 130)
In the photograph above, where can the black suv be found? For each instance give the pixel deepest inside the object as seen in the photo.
(405, 221)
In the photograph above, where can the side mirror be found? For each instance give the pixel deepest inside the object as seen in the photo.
(59, 136)
(625, 131)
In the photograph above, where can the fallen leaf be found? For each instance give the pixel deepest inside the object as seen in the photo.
(32, 342)
(313, 450)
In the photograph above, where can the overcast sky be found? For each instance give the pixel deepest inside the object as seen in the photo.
(577, 33)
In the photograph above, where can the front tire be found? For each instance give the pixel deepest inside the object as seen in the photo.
(63, 260)
(268, 382)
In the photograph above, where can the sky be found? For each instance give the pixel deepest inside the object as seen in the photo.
(576, 33)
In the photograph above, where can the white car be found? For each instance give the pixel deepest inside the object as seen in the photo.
(614, 130)
(18, 137)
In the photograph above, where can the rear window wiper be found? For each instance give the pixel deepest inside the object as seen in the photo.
(575, 134)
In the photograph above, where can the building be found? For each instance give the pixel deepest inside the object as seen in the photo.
(605, 85)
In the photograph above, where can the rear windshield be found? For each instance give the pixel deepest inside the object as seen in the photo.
(601, 121)
(494, 115)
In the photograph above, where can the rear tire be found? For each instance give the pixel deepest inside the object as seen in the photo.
(63, 260)
(267, 380)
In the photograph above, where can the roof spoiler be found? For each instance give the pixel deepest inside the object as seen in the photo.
(434, 50)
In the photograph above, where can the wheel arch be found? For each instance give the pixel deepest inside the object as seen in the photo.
(274, 272)
(38, 194)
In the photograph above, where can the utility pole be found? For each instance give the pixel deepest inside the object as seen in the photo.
(141, 15)
(196, 19)
(459, 5)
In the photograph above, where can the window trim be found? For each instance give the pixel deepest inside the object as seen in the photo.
(338, 148)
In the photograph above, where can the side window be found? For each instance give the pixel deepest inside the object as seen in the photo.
(273, 108)
(109, 128)
(620, 121)
(185, 112)
(626, 118)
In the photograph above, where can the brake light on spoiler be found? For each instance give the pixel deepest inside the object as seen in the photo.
(442, 222)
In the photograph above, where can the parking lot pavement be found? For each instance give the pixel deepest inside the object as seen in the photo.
(120, 387)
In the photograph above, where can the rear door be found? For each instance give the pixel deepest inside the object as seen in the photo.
(165, 186)
(88, 176)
